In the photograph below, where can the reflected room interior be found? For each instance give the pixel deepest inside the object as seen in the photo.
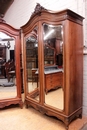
(8, 87)
(32, 65)
(53, 65)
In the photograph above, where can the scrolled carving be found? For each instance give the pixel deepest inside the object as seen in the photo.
(42, 110)
(2, 105)
(38, 9)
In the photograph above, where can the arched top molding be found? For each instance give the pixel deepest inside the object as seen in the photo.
(42, 14)
(8, 29)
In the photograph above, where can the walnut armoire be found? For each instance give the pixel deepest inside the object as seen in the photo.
(53, 63)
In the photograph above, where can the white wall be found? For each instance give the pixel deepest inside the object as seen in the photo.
(12, 44)
(85, 66)
(21, 10)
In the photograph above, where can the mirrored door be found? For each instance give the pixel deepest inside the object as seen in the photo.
(8, 88)
(53, 65)
(32, 71)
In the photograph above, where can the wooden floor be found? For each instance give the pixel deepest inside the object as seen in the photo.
(15, 118)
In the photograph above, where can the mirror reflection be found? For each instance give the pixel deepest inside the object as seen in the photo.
(32, 65)
(8, 87)
(53, 65)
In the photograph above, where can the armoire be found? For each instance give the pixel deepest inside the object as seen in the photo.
(52, 44)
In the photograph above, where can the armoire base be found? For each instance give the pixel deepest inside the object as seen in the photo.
(59, 114)
(8, 102)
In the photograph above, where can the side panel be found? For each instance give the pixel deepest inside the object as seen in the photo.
(74, 66)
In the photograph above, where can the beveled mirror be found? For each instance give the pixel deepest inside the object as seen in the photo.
(53, 65)
(8, 86)
(10, 74)
(32, 71)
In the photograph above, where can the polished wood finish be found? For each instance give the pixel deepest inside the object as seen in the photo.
(53, 81)
(72, 61)
(15, 33)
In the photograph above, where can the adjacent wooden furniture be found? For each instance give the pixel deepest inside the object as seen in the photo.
(34, 76)
(10, 70)
(31, 52)
(53, 78)
(3, 52)
(13, 33)
(2, 69)
(49, 55)
(2, 60)
(65, 30)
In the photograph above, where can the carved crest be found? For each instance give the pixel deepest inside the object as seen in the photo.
(38, 9)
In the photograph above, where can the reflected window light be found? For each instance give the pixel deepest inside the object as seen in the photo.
(3, 36)
(36, 45)
(48, 34)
